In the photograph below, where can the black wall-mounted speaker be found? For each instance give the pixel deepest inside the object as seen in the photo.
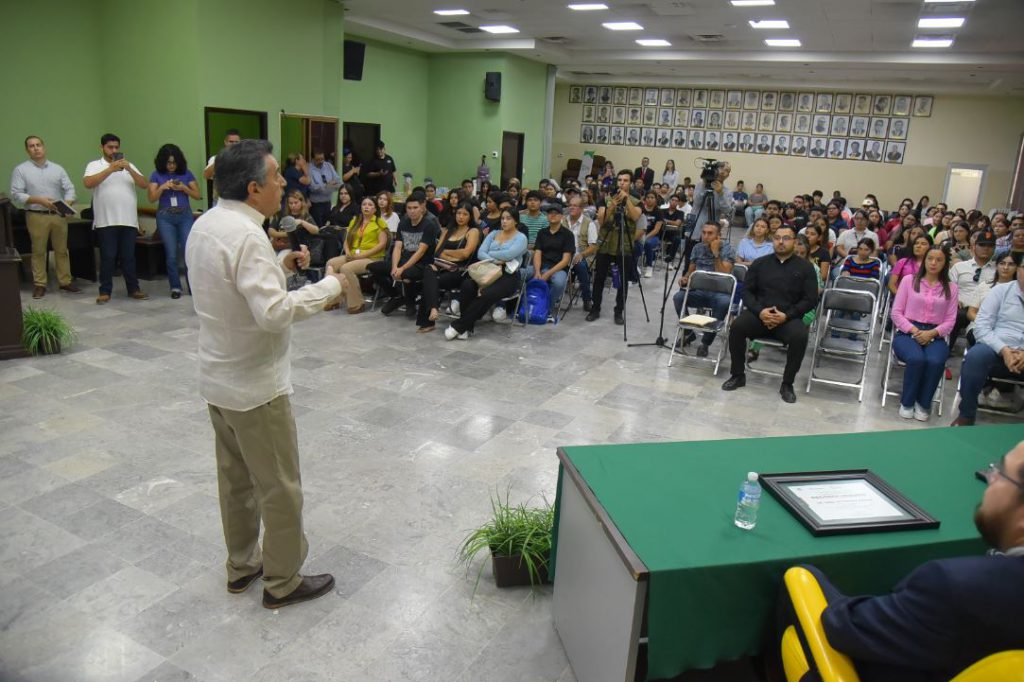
(355, 52)
(492, 86)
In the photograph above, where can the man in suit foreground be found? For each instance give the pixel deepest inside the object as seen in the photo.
(946, 614)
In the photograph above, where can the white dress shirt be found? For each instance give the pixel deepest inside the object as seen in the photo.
(245, 310)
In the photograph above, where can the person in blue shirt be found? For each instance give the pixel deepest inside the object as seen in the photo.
(323, 182)
(296, 175)
(712, 254)
(505, 247)
(171, 185)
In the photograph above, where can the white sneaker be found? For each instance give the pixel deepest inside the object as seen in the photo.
(905, 412)
(450, 333)
(455, 308)
(648, 272)
(922, 414)
(499, 314)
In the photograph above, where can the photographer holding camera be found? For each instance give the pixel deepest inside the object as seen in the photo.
(714, 176)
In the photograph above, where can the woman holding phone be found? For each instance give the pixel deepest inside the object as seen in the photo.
(171, 185)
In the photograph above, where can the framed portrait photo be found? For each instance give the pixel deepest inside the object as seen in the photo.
(734, 99)
(700, 98)
(589, 94)
(837, 148)
(636, 97)
(732, 120)
(619, 115)
(881, 105)
(620, 96)
(683, 97)
(618, 135)
(679, 138)
(783, 122)
(859, 126)
(575, 94)
(855, 150)
(716, 99)
(805, 102)
(802, 124)
(898, 128)
(818, 147)
(821, 124)
(843, 103)
(781, 145)
(634, 116)
(798, 146)
(749, 121)
(752, 100)
(651, 97)
(588, 113)
(650, 116)
(604, 95)
(648, 136)
(665, 117)
(601, 135)
(633, 136)
(769, 100)
(766, 122)
(879, 127)
(923, 105)
(714, 120)
(698, 118)
(840, 126)
(787, 101)
(668, 97)
(696, 139)
(604, 113)
(862, 105)
(823, 103)
(587, 134)
(901, 105)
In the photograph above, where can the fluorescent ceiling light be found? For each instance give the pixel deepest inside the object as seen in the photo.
(932, 42)
(782, 42)
(940, 22)
(752, 3)
(622, 26)
(769, 23)
(653, 42)
(500, 28)
(451, 12)
(588, 7)
(936, 2)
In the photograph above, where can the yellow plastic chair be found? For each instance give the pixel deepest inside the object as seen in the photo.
(809, 602)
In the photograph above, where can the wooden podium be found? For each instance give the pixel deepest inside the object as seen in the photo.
(10, 288)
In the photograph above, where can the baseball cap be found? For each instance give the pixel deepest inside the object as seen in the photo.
(986, 238)
(552, 207)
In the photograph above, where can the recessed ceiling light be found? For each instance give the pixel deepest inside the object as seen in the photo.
(451, 12)
(932, 42)
(499, 28)
(622, 26)
(588, 7)
(769, 23)
(653, 42)
(752, 3)
(782, 42)
(940, 22)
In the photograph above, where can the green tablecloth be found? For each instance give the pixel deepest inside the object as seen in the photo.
(713, 587)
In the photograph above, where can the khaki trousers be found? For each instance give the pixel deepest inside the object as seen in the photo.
(43, 227)
(258, 476)
(351, 269)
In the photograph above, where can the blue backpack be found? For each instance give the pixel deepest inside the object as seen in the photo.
(534, 305)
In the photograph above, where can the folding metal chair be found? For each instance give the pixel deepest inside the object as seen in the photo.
(835, 301)
(895, 361)
(714, 282)
(985, 408)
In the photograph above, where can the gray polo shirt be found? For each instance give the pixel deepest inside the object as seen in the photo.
(48, 180)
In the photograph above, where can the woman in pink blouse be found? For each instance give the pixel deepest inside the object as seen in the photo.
(924, 313)
(908, 266)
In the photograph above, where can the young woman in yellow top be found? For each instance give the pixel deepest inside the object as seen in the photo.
(365, 242)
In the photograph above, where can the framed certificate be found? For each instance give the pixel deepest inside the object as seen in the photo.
(843, 502)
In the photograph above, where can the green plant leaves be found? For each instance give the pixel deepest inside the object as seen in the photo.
(45, 331)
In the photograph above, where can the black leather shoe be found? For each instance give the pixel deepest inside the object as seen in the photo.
(594, 314)
(391, 306)
(732, 383)
(311, 587)
(787, 393)
(618, 318)
(586, 306)
(688, 337)
(702, 351)
(242, 584)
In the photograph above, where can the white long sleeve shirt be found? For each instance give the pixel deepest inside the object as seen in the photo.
(245, 310)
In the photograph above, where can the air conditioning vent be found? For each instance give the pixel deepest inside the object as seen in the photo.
(457, 25)
(556, 40)
(709, 38)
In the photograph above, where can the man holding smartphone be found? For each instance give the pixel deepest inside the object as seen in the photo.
(41, 186)
(113, 179)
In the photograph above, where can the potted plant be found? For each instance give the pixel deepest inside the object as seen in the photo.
(518, 538)
(45, 331)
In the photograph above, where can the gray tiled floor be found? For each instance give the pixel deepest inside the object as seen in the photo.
(110, 543)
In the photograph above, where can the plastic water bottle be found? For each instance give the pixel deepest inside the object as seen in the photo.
(748, 502)
(615, 276)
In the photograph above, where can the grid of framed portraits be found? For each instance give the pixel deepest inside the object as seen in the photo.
(822, 125)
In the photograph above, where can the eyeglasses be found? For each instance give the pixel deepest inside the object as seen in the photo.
(783, 238)
(994, 470)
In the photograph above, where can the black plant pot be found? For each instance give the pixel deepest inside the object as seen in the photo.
(51, 347)
(512, 571)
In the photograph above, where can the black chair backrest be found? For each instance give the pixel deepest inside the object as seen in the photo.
(739, 272)
(872, 286)
(849, 301)
(718, 282)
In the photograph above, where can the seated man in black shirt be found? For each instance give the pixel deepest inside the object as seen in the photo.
(413, 251)
(778, 291)
(552, 254)
(672, 220)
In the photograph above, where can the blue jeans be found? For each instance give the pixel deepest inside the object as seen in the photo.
(117, 243)
(925, 365)
(650, 248)
(750, 213)
(981, 364)
(718, 302)
(556, 285)
(174, 229)
(582, 273)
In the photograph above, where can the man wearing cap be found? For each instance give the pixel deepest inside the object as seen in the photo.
(552, 254)
(380, 171)
(969, 273)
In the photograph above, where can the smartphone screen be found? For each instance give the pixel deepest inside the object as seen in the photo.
(118, 156)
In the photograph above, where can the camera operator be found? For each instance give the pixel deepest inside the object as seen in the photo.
(722, 194)
(615, 247)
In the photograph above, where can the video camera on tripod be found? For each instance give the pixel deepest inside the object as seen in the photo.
(709, 172)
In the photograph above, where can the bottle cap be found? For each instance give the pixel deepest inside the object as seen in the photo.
(752, 476)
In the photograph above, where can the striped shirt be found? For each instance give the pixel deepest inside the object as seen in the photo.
(869, 270)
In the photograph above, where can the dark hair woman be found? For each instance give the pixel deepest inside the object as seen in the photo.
(171, 185)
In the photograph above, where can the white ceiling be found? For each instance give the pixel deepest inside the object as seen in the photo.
(863, 44)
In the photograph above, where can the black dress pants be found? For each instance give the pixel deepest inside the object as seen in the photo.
(602, 264)
(793, 333)
(413, 276)
(474, 303)
(433, 282)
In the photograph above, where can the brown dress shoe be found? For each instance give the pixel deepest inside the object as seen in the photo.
(140, 295)
(358, 309)
(38, 292)
(70, 288)
(102, 298)
(332, 306)
(962, 421)
(311, 587)
(242, 584)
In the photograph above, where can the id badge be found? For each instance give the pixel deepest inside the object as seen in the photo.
(174, 201)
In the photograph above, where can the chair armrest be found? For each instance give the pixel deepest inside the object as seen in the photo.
(808, 603)
(1006, 666)
(794, 661)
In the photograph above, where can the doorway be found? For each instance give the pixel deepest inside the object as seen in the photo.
(301, 134)
(512, 156)
(965, 183)
(251, 125)
(361, 138)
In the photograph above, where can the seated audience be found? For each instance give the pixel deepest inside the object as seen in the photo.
(817, 252)
(346, 209)
(969, 274)
(456, 249)
(924, 313)
(504, 246)
(999, 351)
(552, 254)
(755, 244)
(755, 204)
(861, 263)
(712, 254)
(911, 264)
(778, 291)
(297, 208)
(412, 253)
(451, 203)
(584, 231)
(1016, 239)
(533, 218)
(645, 249)
(366, 241)
(387, 211)
(848, 240)
(1005, 271)
(958, 243)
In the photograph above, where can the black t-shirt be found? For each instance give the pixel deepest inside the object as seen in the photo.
(355, 183)
(411, 236)
(653, 217)
(668, 214)
(553, 247)
(385, 182)
(343, 216)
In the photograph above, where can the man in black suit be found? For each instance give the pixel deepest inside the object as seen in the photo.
(946, 614)
(645, 173)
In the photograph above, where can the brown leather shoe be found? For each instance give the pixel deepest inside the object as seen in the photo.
(242, 584)
(358, 309)
(102, 298)
(962, 421)
(140, 295)
(70, 288)
(332, 306)
(38, 292)
(311, 587)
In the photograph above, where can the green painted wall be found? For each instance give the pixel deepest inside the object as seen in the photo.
(523, 95)
(393, 93)
(247, 125)
(291, 136)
